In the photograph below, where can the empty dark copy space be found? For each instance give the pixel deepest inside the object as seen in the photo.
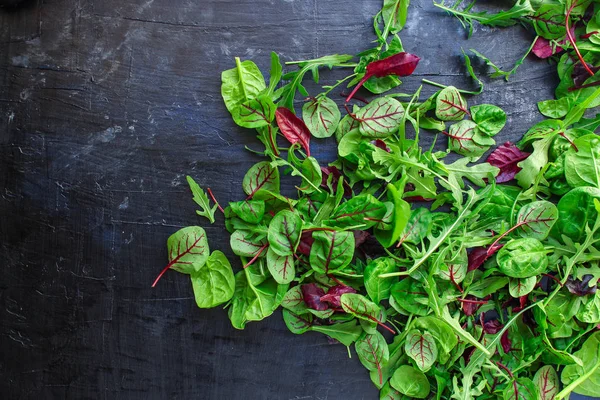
(105, 106)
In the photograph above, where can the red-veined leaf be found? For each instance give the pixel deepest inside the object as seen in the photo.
(293, 300)
(293, 128)
(334, 293)
(321, 116)
(373, 352)
(479, 255)
(362, 211)
(521, 389)
(421, 348)
(464, 138)
(380, 118)
(535, 219)
(281, 267)
(546, 380)
(261, 176)
(331, 250)
(507, 157)
(284, 232)
(243, 244)
(362, 308)
(450, 105)
(255, 113)
(521, 287)
(297, 324)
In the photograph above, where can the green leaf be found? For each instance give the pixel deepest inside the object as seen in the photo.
(582, 165)
(281, 267)
(450, 105)
(440, 330)
(395, 13)
(276, 72)
(261, 176)
(255, 113)
(400, 217)
(410, 295)
(410, 382)
(240, 84)
(522, 258)
(331, 250)
(454, 267)
(284, 232)
(521, 287)
(362, 211)
(294, 301)
(549, 21)
(421, 348)
(322, 116)
(547, 383)
(417, 227)
(188, 250)
(389, 393)
(201, 199)
(380, 118)
(297, 324)
(536, 219)
(244, 244)
(251, 211)
(373, 352)
(464, 138)
(312, 175)
(345, 333)
(459, 170)
(522, 389)
(214, 283)
(575, 211)
(379, 289)
(490, 119)
(532, 165)
(361, 307)
(487, 286)
(555, 108)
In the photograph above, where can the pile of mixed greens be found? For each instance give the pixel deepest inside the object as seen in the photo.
(486, 290)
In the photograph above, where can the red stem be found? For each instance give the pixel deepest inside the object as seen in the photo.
(515, 388)
(256, 256)
(362, 81)
(473, 301)
(162, 273)
(273, 144)
(212, 196)
(555, 279)
(569, 140)
(572, 39)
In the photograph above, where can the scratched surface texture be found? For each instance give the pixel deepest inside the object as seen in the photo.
(105, 106)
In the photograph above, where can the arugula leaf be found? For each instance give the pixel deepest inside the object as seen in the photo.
(201, 199)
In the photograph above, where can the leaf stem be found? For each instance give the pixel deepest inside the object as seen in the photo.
(212, 196)
(572, 39)
(249, 263)
(565, 392)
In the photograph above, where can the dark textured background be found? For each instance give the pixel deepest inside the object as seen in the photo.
(105, 106)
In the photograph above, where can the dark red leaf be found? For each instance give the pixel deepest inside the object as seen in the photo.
(311, 293)
(381, 144)
(543, 48)
(581, 287)
(470, 305)
(505, 342)
(416, 198)
(478, 255)
(337, 174)
(522, 303)
(492, 327)
(293, 128)
(401, 64)
(580, 74)
(360, 237)
(306, 242)
(333, 294)
(506, 157)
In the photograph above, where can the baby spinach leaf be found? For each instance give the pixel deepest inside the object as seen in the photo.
(244, 244)
(281, 267)
(201, 199)
(214, 283)
(587, 377)
(421, 348)
(240, 84)
(410, 295)
(555, 108)
(521, 287)
(450, 105)
(490, 119)
(255, 113)
(251, 211)
(362, 211)
(284, 232)
(261, 176)
(331, 250)
(321, 116)
(536, 219)
(547, 383)
(373, 352)
(395, 13)
(293, 128)
(380, 118)
(410, 382)
(575, 211)
(589, 310)
(297, 324)
(582, 162)
(379, 289)
(522, 258)
(345, 333)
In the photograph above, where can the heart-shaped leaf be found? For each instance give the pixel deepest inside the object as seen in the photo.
(373, 352)
(421, 348)
(214, 283)
(380, 118)
(321, 116)
(331, 250)
(450, 105)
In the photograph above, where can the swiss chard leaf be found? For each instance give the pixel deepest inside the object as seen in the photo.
(284, 232)
(214, 283)
(331, 250)
(255, 113)
(373, 352)
(281, 267)
(261, 176)
(421, 347)
(321, 116)
(380, 118)
(450, 105)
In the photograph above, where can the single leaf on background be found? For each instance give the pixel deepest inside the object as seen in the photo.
(507, 157)
(380, 118)
(378, 289)
(321, 116)
(201, 199)
(555, 108)
(214, 283)
(450, 105)
(362, 211)
(255, 113)
(240, 84)
(421, 348)
(546, 380)
(582, 162)
(345, 333)
(373, 352)
(521, 287)
(293, 128)
(251, 211)
(331, 250)
(521, 389)
(464, 138)
(297, 324)
(281, 267)
(410, 382)
(401, 64)
(284, 232)
(243, 244)
(522, 258)
(188, 251)
(536, 219)
(395, 13)
(490, 119)
(261, 176)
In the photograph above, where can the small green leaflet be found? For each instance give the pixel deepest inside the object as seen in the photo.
(214, 283)
(321, 116)
(201, 199)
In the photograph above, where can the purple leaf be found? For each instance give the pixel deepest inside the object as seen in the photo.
(580, 73)
(492, 327)
(506, 157)
(381, 144)
(505, 342)
(543, 48)
(306, 241)
(333, 295)
(401, 64)
(360, 237)
(337, 174)
(478, 255)
(293, 128)
(581, 287)
(311, 293)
